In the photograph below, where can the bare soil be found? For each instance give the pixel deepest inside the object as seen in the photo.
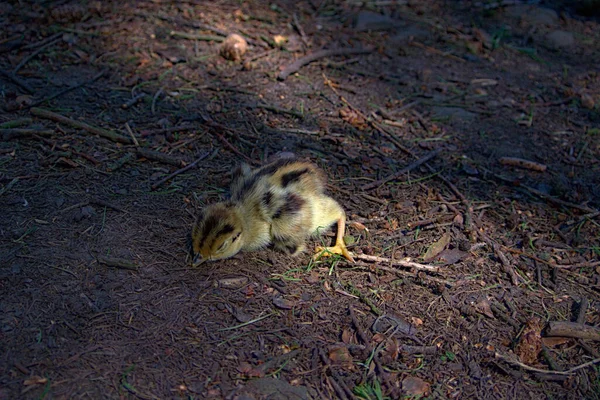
(98, 301)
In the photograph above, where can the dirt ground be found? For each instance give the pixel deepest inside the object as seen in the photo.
(477, 276)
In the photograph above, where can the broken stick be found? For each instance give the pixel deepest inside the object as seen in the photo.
(573, 330)
(301, 62)
(105, 133)
(182, 170)
(403, 171)
(402, 263)
(522, 163)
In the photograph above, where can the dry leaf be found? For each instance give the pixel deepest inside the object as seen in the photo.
(282, 303)
(341, 356)
(378, 338)
(413, 386)
(353, 118)
(458, 220)
(347, 336)
(452, 256)
(392, 349)
(483, 307)
(437, 247)
(530, 342)
(358, 226)
(416, 321)
(313, 277)
(244, 367)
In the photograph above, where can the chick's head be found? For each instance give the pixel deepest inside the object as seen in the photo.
(217, 234)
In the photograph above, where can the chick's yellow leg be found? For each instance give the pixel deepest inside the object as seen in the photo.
(339, 247)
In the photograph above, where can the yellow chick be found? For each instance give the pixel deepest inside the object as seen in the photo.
(282, 203)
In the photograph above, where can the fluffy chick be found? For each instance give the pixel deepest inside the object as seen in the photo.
(282, 203)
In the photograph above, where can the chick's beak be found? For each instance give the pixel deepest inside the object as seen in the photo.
(197, 260)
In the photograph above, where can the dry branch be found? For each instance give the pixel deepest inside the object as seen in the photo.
(19, 133)
(191, 36)
(118, 263)
(573, 330)
(512, 360)
(402, 263)
(182, 170)
(301, 62)
(158, 156)
(522, 163)
(70, 88)
(403, 171)
(17, 81)
(35, 53)
(105, 133)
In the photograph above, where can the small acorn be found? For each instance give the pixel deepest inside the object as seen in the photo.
(233, 47)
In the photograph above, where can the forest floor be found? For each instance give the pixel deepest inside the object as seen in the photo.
(462, 139)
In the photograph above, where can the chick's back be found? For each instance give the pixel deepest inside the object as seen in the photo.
(288, 195)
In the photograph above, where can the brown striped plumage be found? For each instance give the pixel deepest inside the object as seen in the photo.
(282, 203)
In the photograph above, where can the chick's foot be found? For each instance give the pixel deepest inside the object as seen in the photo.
(339, 248)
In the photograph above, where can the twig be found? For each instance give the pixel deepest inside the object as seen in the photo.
(543, 195)
(400, 272)
(43, 42)
(573, 330)
(506, 265)
(103, 203)
(298, 27)
(17, 81)
(120, 162)
(154, 99)
(18, 133)
(71, 88)
(128, 128)
(99, 202)
(191, 36)
(359, 330)
(118, 263)
(195, 24)
(47, 114)
(179, 21)
(296, 65)
(182, 170)
(403, 171)
(219, 127)
(365, 340)
(346, 393)
(151, 132)
(511, 360)
(133, 101)
(8, 186)
(436, 51)
(583, 305)
(248, 322)
(522, 163)
(15, 123)
(158, 156)
(278, 110)
(32, 55)
(402, 263)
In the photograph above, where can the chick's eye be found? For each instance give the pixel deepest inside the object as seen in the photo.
(222, 246)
